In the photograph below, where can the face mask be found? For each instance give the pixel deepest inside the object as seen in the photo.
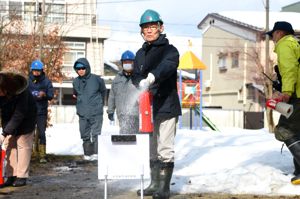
(127, 66)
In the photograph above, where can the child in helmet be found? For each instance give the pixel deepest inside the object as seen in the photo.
(123, 97)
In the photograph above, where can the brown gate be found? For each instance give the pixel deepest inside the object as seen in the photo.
(253, 120)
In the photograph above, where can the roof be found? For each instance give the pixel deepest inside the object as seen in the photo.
(207, 21)
(190, 61)
(258, 19)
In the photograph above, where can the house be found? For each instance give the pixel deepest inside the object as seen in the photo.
(233, 79)
(295, 7)
(77, 20)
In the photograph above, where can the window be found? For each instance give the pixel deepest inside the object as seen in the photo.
(77, 51)
(15, 9)
(222, 61)
(251, 91)
(235, 60)
(76, 45)
(71, 56)
(56, 13)
(2, 8)
(29, 11)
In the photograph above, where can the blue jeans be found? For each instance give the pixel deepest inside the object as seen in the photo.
(90, 128)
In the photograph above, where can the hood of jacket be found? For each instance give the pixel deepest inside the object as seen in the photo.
(287, 38)
(161, 40)
(20, 81)
(85, 62)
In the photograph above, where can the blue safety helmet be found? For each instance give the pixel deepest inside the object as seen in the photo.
(127, 55)
(37, 65)
(79, 65)
(150, 16)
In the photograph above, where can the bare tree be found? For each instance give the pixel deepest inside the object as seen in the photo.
(255, 68)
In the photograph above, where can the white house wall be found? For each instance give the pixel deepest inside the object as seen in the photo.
(227, 88)
(228, 27)
(90, 49)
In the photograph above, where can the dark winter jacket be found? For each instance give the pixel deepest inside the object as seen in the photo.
(90, 92)
(41, 84)
(161, 59)
(18, 113)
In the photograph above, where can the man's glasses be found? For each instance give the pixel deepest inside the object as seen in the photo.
(152, 27)
(80, 68)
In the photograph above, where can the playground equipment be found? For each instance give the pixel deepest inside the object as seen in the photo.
(190, 98)
(207, 121)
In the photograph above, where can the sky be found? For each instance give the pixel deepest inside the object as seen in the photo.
(180, 20)
(233, 161)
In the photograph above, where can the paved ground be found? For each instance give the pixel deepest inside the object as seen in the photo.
(60, 179)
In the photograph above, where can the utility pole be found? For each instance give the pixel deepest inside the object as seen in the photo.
(42, 31)
(267, 38)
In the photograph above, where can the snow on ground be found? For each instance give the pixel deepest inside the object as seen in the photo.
(235, 160)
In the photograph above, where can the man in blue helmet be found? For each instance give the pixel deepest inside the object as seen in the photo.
(155, 66)
(90, 92)
(42, 90)
(123, 97)
(287, 49)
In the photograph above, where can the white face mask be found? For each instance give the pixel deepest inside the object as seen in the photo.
(127, 66)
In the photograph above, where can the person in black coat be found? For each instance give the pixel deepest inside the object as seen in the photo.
(155, 67)
(18, 118)
(90, 92)
(42, 90)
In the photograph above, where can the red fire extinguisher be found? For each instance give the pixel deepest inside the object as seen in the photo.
(2, 166)
(281, 107)
(146, 112)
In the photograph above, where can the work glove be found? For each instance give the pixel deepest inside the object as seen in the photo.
(151, 78)
(143, 83)
(111, 117)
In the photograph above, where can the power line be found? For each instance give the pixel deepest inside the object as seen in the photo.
(140, 42)
(136, 22)
(107, 2)
(121, 1)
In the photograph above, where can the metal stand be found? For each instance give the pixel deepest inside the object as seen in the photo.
(105, 182)
(142, 181)
(105, 187)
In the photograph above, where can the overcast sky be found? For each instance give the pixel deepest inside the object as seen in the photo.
(180, 17)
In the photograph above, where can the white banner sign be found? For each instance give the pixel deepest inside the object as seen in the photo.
(123, 159)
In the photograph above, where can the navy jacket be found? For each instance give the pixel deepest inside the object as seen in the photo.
(90, 92)
(41, 84)
(20, 112)
(161, 59)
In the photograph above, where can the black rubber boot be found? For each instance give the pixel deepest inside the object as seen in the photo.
(19, 182)
(95, 147)
(297, 167)
(10, 180)
(154, 169)
(293, 145)
(88, 150)
(166, 171)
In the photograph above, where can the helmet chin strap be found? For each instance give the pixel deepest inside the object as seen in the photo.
(156, 36)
